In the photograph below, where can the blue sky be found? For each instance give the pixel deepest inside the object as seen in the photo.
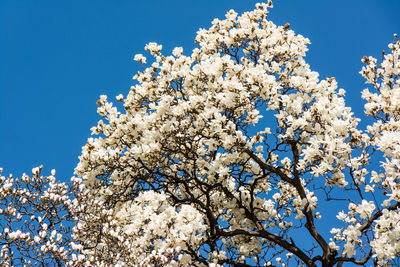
(57, 57)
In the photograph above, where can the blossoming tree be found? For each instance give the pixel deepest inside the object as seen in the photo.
(36, 217)
(236, 154)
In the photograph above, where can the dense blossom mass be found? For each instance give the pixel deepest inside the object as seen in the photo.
(227, 156)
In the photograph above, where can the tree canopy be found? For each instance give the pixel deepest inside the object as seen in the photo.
(237, 154)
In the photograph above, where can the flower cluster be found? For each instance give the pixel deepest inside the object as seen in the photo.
(36, 217)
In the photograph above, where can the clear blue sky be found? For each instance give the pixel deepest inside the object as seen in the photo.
(57, 57)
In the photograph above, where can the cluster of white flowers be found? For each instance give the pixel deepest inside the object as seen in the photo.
(386, 243)
(374, 222)
(144, 231)
(140, 58)
(189, 174)
(36, 214)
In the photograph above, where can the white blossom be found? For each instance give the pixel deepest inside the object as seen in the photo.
(185, 171)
